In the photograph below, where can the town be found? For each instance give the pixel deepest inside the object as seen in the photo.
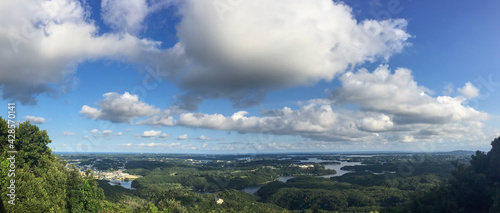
(97, 168)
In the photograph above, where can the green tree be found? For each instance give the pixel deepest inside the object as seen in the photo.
(42, 183)
(39, 176)
(473, 188)
(83, 194)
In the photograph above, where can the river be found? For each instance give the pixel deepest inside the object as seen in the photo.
(124, 184)
(336, 167)
(253, 189)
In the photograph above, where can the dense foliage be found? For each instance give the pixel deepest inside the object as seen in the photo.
(473, 188)
(306, 192)
(42, 183)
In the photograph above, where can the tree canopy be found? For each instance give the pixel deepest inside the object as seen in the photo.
(473, 188)
(42, 182)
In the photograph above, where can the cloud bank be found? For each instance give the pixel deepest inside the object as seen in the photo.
(392, 107)
(241, 58)
(219, 54)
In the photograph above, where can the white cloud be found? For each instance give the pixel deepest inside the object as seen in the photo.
(318, 122)
(161, 119)
(119, 133)
(164, 135)
(85, 137)
(379, 124)
(240, 58)
(203, 137)
(67, 133)
(397, 94)
(150, 133)
(94, 131)
(126, 15)
(152, 144)
(408, 139)
(182, 137)
(310, 118)
(235, 57)
(107, 132)
(35, 119)
(46, 40)
(448, 89)
(167, 145)
(391, 105)
(118, 108)
(469, 90)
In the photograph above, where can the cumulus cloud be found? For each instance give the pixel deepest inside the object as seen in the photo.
(119, 133)
(67, 133)
(107, 132)
(469, 90)
(392, 107)
(152, 144)
(150, 133)
(408, 138)
(310, 121)
(217, 55)
(309, 118)
(182, 137)
(378, 124)
(118, 108)
(166, 145)
(203, 137)
(128, 15)
(164, 118)
(125, 15)
(35, 119)
(240, 58)
(46, 40)
(399, 95)
(164, 135)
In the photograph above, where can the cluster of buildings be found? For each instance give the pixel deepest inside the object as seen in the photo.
(115, 175)
(102, 175)
(304, 166)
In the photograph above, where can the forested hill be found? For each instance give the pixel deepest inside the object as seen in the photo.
(473, 188)
(36, 181)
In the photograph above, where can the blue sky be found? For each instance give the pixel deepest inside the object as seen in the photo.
(254, 77)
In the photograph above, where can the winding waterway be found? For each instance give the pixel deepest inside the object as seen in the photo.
(284, 179)
(124, 184)
(336, 167)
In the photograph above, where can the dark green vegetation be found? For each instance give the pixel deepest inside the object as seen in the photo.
(177, 177)
(216, 175)
(393, 182)
(42, 182)
(359, 191)
(473, 188)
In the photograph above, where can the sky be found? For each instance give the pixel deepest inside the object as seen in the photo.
(238, 76)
